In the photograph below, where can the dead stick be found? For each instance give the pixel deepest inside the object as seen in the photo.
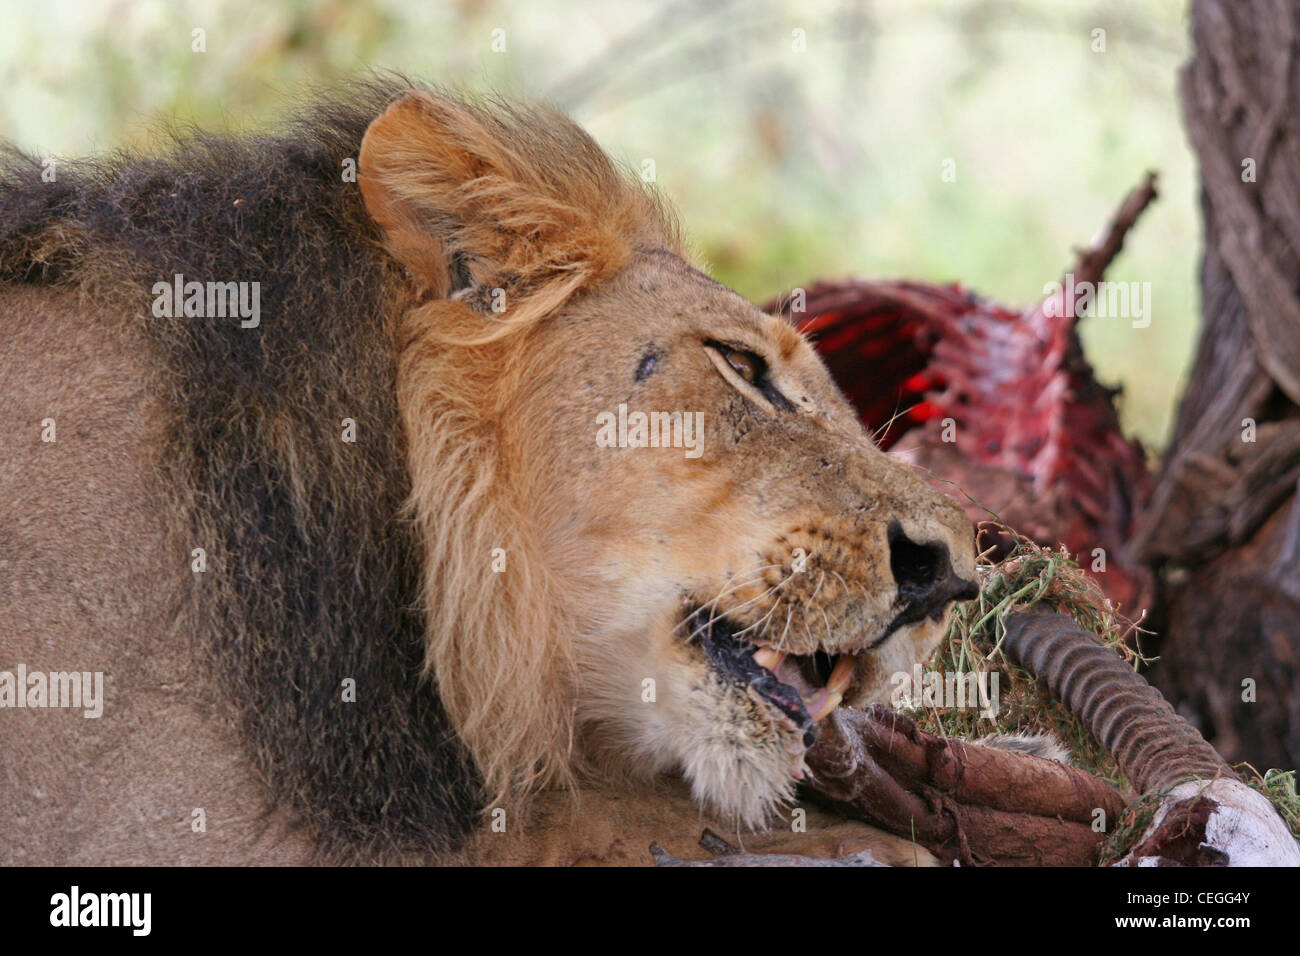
(1093, 262)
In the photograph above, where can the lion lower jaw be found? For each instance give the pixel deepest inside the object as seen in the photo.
(742, 769)
(745, 763)
(750, 794)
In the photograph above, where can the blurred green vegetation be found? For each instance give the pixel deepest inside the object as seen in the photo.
(787, 164)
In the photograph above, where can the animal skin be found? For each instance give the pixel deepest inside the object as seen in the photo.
(363, 580)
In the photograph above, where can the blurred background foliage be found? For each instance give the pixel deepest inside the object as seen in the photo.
(787, 165)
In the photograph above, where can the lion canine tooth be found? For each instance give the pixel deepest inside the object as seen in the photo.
(842, 674)
(768, 658)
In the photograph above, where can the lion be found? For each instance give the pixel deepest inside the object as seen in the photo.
(498, 530)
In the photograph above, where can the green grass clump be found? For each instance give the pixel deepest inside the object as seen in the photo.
(1130, 827)
(1029, 575)
(1280, 788)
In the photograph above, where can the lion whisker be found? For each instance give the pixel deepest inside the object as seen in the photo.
(775, 605)
(711, 606)
(758, 597)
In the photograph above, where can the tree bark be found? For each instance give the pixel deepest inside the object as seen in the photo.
(1223, 522)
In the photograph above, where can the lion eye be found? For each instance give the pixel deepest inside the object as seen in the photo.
(746, 364)
(752, 369)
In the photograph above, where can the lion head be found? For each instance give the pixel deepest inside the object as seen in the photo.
(656, 537)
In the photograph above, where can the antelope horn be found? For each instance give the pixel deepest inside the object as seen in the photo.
(1154, 747)
(1208, 815)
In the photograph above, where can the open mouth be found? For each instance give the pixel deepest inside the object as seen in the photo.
(805, 688)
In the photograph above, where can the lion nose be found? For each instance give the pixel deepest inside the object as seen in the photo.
(924, 575)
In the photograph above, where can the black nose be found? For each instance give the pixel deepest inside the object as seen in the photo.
(924, 575)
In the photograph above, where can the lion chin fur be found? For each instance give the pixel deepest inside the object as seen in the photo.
(365, 560)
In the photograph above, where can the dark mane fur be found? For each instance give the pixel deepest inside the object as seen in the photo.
(313, 573)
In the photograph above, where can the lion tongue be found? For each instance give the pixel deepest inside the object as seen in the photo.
(822, 703)
(817, 701)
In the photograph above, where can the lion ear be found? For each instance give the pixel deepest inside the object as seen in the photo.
(511, 198)
(413, 159)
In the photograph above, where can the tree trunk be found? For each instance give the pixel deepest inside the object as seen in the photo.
(1224, 522)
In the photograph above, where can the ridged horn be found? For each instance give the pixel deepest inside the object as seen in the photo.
(1154, 747)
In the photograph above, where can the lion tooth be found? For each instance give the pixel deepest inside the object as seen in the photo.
(768, 658)
(842, 674)
(831, 701)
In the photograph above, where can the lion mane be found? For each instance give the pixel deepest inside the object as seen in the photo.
(365, 560)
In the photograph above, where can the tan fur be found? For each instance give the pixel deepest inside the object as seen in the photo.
(89, 571)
